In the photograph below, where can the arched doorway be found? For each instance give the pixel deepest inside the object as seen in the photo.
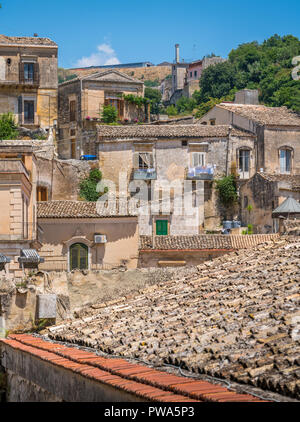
(79, 257)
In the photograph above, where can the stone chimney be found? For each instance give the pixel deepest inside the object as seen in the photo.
(177, 53)
(247, 96)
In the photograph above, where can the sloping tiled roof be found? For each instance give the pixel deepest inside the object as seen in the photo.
(279, 116)
(293, 180)
(203, 242)
(31, 41)
(139, 381)
(289, 206)
(235, 318)
(69, 209)
(168, 131)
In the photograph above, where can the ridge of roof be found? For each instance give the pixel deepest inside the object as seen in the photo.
(170, 131)
(31, 41)
(273, 116)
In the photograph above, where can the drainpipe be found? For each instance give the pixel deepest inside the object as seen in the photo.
(227, 151)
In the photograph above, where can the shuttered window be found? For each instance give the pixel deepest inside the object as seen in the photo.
(162, 227)
(198, 159)
(79, 257)
(72, 111)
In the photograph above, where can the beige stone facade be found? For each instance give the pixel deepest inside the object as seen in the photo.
(81, 103)
(28, 80)
(171, 150)
(18, 227)
(67, 223)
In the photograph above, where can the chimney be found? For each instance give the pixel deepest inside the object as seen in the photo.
(177, 53)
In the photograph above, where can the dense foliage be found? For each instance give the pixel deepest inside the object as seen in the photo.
(154, 97)
(8, 128)
(227, 189)
(88, 186)
(266, 67)
(109, 114)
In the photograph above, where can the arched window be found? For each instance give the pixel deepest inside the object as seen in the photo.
(285, 158)
(79, 257)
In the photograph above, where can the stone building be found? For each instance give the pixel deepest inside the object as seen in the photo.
(276, 155)
(28, 80)
(81, 101)
(18, 224)
(75, 236)
(163, 159)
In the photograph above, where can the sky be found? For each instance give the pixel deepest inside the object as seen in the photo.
(96, 32)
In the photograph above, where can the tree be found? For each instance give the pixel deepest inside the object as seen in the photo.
(88, 186)
(154, 96)
(8, 128)
(266, 67)
(109, 114)
(185, 105)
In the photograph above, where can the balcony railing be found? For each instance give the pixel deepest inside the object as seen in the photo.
(145, 174)
(201, 173)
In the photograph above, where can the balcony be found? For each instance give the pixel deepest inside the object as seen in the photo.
(145, 174)
(200, 173)
(13, 165)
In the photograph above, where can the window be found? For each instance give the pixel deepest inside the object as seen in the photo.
(244, 163)
(196, 73)
(29, 112)
(145, 160)
(285, 160)
(191, 74)
(42, 194)
(212, 122)
(72, 111)
(198, 159)
(79, 257)
(29, 72)
(162, 227)
(246, 201)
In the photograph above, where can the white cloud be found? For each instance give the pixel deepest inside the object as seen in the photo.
(104, 56)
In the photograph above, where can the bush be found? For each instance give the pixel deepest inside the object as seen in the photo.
(227, 190)
(88, 186)
(8, 128)
(109, 114)
(171, 110)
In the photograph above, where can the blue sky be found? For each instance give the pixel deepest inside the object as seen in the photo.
(106, 32)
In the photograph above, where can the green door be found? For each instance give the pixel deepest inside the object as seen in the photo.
(162, 227)
(79, 257)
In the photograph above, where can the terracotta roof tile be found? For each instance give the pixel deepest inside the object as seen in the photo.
(165, 388)
(106, 132)
(30, 41)
(70, 209)
(279, 116)
(203, 242)
(233, 318)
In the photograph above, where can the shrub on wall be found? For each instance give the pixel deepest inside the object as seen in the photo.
(8, 128)
(109, 114)
(88, 186)
(227, 190)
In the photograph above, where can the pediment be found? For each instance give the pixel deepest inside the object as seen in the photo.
(112, 76)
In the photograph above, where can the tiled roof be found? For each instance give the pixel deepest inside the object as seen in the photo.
(168, 131)
(36, 41)
(279, 116)
(292, 180)
(69, 209)
(138, 380)
(203, 242)
(235, 318)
